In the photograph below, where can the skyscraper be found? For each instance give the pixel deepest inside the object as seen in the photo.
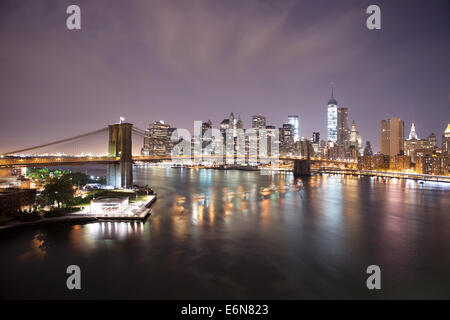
(392, 136)
(286, 138)
(230, 123)
(273, 140)
(206, 136)
(157, 139)
(254, 140)
(228, 128)
(295, 122)
(368, 149)
(432, 141)
(315, 137)
(315, 140)
(239, 123)
(446, 140)
(412, 133)
(342, 128)
(332, 121)
(258, 122)
(355, 138)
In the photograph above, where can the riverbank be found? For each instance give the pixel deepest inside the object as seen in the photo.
(47, 221)
(388, 174)
(79, 217)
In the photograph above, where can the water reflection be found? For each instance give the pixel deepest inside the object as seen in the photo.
(37, 248)
(111, 230)
(235, 234)
(89, 237)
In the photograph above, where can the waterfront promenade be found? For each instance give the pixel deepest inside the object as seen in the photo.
(138, 211)
(133, 213)
(386, 174)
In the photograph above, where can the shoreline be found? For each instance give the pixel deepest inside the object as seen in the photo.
(47, 221)
(363, 173)
(390, 175)
(74, 218)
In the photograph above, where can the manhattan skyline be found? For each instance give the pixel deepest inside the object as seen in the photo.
(224, 158)
(150, 61)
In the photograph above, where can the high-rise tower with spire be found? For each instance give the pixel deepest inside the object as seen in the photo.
(332, 118)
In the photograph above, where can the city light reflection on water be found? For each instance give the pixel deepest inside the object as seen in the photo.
(237, 234)
(111, 230)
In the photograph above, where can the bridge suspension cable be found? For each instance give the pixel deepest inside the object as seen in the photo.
(138, 131)
(58, 142)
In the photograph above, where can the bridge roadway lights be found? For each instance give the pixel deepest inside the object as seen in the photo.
(120, 175)
(302, 168)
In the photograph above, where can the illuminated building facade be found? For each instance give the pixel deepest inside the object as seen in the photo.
(355, 139)
(258, 122)
(108, 205)
(315, 137)
(316, 142)
(342, 128)
(157, 139)
(12, 199)
(414, 144)
(273, 141)
(381, 162)
(332, 119)
(446, 140)
(295, 123)
(257, 140)
(392, 136)
(400, 163)
(432, 141)
(287, 139)
(431, 161)
(365, 163)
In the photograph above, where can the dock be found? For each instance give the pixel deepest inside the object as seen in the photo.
(131, 213)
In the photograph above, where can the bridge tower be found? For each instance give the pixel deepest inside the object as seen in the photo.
(302, 167)
(120, 175)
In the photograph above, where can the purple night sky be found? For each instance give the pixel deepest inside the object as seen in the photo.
(181, 61)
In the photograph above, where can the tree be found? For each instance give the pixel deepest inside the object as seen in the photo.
(38, 174)
(79, 179)
(59, 190)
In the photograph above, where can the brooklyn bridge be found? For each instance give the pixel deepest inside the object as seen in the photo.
(120, 159)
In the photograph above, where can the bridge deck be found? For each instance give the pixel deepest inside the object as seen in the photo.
(10, 162)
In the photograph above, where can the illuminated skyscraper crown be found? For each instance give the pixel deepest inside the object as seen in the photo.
(447, 131)
(412, 133)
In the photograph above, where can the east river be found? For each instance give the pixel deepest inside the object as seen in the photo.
(239, 234)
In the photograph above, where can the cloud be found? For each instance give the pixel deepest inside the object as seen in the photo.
(200, 36)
